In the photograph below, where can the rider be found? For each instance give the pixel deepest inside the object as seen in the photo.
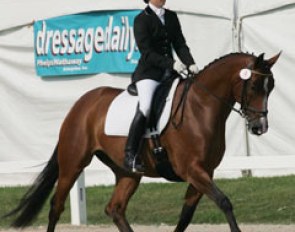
(156, 30)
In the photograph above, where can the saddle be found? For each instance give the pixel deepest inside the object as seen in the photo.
(159, 99)
(122, 110)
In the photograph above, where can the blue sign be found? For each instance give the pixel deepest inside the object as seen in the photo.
(87, 43)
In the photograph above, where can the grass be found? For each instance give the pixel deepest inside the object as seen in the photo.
(255, 200)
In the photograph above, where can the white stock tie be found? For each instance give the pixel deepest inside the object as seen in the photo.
(161, 14)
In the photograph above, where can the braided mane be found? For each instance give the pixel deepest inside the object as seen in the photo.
(225, 56)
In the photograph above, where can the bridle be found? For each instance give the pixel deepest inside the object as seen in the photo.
(244, 109)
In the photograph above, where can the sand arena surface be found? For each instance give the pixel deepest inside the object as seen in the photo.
(162, 228)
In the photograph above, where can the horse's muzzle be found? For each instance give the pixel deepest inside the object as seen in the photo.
(258, 126)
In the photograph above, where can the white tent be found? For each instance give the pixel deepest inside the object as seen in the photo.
(33, 108)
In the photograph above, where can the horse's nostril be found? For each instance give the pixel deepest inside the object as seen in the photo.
(254, 129)
(258, 126)
(257, 130)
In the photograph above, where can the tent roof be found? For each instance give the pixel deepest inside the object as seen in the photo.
(17, 13)
(251, 7)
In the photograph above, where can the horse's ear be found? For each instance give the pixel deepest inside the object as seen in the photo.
(259, 60)
(274, 59)
(261, 57)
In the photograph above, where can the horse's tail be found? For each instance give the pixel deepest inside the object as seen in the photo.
(32, 202)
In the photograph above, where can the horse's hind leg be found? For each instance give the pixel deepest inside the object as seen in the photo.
(72, 160)
(192, 199)
(124, 189)
(202, 181)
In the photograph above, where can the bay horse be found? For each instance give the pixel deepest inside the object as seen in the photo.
(195, 148)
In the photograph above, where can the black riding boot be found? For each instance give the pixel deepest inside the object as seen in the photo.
(135, 136)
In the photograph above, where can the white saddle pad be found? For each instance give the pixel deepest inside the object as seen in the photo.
(122, 110)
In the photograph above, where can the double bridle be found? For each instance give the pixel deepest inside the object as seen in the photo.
(244, 109)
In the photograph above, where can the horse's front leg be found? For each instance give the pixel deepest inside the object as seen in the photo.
(202, 181)
(124, 189)
(192, 199)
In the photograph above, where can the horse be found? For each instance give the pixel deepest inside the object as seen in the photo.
(210, 97)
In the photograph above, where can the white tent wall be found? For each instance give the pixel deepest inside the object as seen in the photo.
(33, 108)
(267, 28)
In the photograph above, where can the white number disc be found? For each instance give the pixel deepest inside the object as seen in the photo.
(245, 74)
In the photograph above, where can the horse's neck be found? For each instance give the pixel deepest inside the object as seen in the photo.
(218, 82)
(215, 86)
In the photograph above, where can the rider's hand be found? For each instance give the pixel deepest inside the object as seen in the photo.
(193, 68)
(178, 66)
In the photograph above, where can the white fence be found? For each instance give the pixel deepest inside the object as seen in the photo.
(98, 174)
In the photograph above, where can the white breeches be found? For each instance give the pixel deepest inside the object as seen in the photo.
(146, 89)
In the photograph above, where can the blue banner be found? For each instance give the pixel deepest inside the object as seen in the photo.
(87, 43)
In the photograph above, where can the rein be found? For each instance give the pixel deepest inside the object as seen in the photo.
(205, 89)
(188, 82)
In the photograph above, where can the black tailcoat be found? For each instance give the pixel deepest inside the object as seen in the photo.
(155, 42)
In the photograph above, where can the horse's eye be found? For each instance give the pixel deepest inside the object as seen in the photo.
(257, 86)
(254, 88)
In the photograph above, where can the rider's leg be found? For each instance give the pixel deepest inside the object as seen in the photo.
(145, 89)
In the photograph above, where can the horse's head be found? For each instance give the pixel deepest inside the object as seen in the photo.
(257, 83)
